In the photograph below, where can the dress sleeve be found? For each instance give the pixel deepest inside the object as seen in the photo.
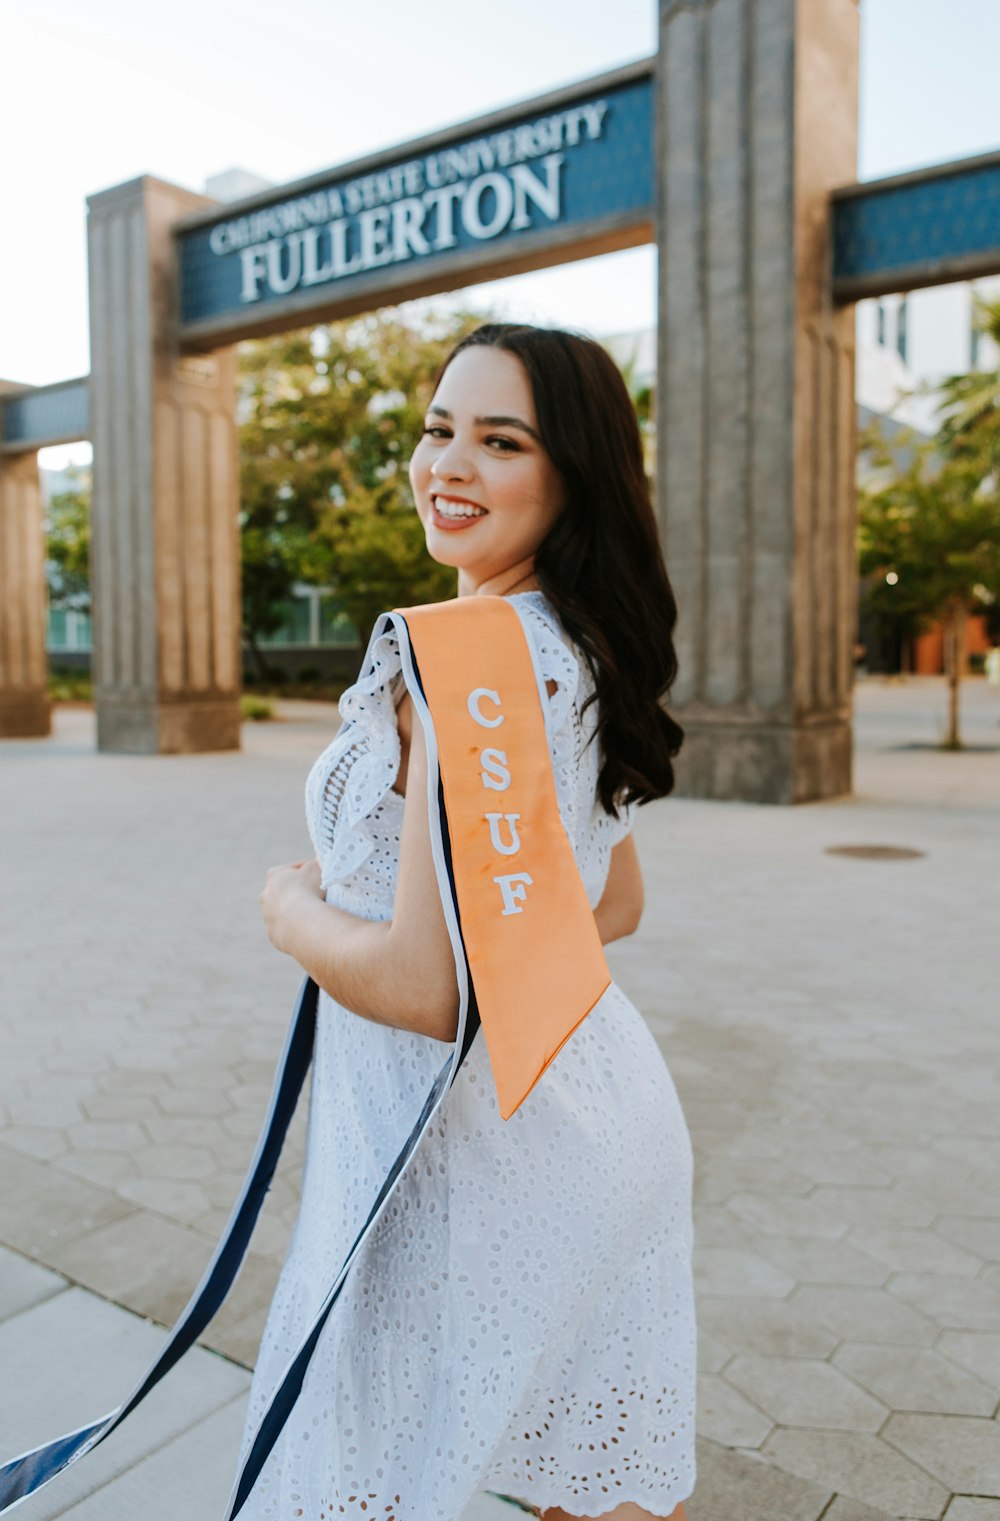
(356, 772)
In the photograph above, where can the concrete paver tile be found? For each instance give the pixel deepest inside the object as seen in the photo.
(914, 1164)
(980, 1236)
(841, 1168)
(715, 1226)
(194, 1101)
(962, 1451)
(24, 1284)
(106, 1169)
(978, 1351)
(238, 1339)
(786, 1215)
(167, 1196)
(844, 1509)
(878, 1208)
(37, 1141)
(906, 1378)
(977, 1151)
(107, 1135)
(862, 1467)
(176, 1160)
(722, 1176)
(967, 1508)
(183, 1130)
(102, 1351)
(54, 1112)
(726, 1417)
(727, 1270)
(862, 1314)
(799, 1391)
(958, 1303)
(772, 1327)
(118, 1106)
(713, 1352)
(128, 1080)
(737, 1486)
(145, 1262)
(42, 1208)
(190, 1476)
(812, 1260)
(916, 1251)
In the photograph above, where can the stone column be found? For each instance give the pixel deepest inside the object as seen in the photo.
(25, 711)
(756, 124)
(165, 544)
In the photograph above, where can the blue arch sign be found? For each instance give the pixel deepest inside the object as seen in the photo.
(562, 177)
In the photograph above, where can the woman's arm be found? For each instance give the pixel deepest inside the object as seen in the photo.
(621, 905)
(399, 972)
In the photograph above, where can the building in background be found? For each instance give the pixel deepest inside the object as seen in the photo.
(906, 345)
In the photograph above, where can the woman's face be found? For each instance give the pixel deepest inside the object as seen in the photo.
(486, 491)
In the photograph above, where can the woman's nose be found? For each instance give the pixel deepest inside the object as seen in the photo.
(452, 462)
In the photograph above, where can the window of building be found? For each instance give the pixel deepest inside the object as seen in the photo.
(880, 323)
(901, 329)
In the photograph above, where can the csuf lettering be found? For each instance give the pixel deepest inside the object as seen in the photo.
(486, 709)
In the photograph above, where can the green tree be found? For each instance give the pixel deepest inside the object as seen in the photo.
(969, 412)
(929, 539)
(328, 419)
(67, 532)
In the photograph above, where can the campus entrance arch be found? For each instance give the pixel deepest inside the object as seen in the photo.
(734, 149)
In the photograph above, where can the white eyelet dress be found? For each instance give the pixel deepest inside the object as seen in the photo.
(521, 1317)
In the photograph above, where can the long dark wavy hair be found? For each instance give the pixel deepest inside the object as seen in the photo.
(601, 566)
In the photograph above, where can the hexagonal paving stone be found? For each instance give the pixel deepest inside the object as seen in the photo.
(967, 1508)
(860, 1314)
(961, 1451)
(979, 1236)
(727, 1270)
(978, 1351)
(874, 1207)
(797, 1391)
(917, 1251)
(960, 1304)
(915, 1379)
(772, 1327)
(861, 1466)
(178, 1161)
(812, 1260)
(786, 1215)
(725, 1416)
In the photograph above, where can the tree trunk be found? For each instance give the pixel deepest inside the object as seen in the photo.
(954, 646)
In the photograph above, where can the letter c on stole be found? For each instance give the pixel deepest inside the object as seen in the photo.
(475, 698)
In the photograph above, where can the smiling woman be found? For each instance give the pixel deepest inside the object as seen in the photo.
(519, 1319)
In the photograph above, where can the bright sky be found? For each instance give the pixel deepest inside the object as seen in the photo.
(98, 93)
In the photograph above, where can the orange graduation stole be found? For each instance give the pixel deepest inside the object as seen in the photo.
(532, 946)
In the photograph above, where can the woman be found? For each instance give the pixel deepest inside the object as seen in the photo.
(521, 1318)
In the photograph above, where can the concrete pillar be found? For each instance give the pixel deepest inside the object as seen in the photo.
(25, 711)
(756, 124)
(165, 544)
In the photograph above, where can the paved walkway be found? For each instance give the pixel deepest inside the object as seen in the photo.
(830, 1022)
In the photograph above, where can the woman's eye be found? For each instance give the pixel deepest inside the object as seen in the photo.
(505, 445)
(436, 430)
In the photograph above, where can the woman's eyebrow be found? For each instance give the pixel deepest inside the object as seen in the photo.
(490, 422)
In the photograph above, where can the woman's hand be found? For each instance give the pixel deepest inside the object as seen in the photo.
(286, 888)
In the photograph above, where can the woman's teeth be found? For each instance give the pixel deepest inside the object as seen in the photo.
(458, 509)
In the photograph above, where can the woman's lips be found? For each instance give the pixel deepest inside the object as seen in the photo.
(448, 524)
